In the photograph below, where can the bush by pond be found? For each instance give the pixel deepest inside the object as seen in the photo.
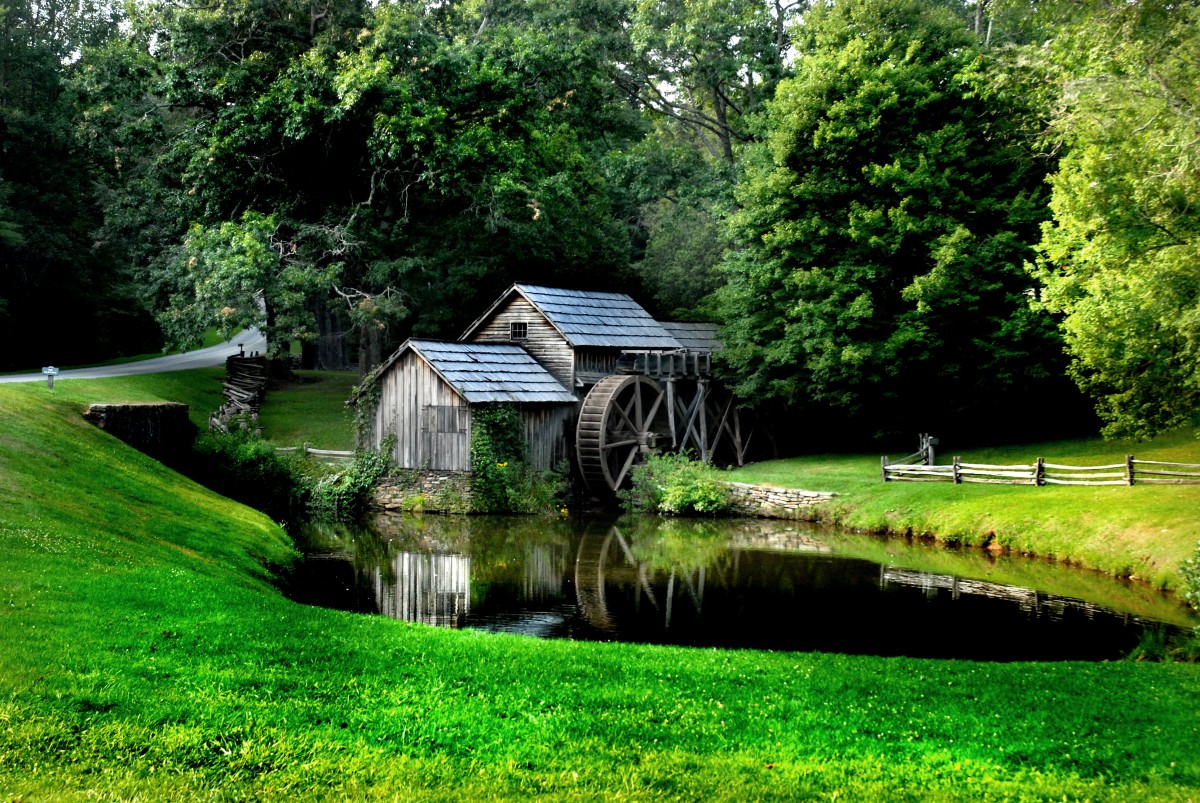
(675, 485)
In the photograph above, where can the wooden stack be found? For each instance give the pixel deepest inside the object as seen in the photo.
(245, 386)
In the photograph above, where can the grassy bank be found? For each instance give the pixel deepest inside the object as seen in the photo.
(145, 653)
(1145, 531)
(311, 409)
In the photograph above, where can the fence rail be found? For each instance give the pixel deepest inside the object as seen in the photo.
(1040, 472)
(324, 455)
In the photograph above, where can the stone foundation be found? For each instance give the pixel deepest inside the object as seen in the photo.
(160, 429)
(775, 503)
(427, 490)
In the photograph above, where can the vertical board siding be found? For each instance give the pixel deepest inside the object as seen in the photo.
(543, 342)
(545, 434)
(596, 360)
(408, 389)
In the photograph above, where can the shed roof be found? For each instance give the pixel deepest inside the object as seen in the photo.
(490, 372)
(590, 318)
(695, 335)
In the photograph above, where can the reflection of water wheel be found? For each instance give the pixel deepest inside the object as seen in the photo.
(623, 419)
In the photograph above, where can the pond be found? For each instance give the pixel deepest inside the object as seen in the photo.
(735, 583)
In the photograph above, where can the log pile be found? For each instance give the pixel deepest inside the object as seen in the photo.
(245, 386)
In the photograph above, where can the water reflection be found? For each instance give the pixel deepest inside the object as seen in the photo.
(743, 583)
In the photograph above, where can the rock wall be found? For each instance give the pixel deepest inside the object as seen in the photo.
(161, 429)
(450, 492)
(427, 490)
(775, 503)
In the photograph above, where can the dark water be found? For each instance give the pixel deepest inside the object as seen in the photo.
(738, 584)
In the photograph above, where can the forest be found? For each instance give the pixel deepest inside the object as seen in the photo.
(906, 215)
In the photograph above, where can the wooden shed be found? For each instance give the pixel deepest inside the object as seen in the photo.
(428, 389)
(576, 334)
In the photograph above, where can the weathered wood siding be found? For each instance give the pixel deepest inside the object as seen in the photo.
(543, 341)
(546, 434)
(431, 422)
(591, 364)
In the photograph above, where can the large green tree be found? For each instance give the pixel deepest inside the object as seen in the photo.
(410, 160)
(882, 231)
(1121, 258)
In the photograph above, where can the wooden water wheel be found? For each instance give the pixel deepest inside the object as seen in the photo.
(623, 419)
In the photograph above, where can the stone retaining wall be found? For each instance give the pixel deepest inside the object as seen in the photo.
(428, 490)
(161, 430)
(775, 503)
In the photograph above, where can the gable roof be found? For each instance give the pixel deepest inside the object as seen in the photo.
(484, 372)
(589, 318)
(695, 335)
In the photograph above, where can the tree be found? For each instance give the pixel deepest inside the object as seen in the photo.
(51, 266)
(709, 65)
(882, 231)
(411, 161)
(1121, 259)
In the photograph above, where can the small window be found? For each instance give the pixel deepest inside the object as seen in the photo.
(518, 331)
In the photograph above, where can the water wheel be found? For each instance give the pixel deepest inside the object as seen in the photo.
(623, 419)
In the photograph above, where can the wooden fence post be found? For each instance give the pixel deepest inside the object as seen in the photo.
(1039, 474)
(883, 465)
(957, 470)
(1129, 468)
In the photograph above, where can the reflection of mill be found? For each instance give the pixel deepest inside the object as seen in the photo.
(434, 589)
(599, 559)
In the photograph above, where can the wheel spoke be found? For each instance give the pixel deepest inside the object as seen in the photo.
(617, 444)
(625, 468)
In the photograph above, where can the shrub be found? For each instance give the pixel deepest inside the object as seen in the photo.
(244, 467)
(348, 489)
(676, 485)
(1190, 588)
(501, 481)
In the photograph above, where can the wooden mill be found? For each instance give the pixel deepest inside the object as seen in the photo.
(596, 379)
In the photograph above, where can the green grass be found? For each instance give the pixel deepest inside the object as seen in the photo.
(311, 410)
(1144, 532)
(144, 653)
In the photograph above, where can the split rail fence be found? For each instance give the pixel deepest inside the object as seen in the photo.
(1040, 472)
(323, 455)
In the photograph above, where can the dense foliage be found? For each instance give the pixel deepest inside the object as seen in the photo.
(1121, 257)
(853, 189)
(883, 226)
(675, 485)
(501, 479)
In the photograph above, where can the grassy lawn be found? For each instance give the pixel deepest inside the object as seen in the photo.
(145, 653)
(1145, 531)
(310, 410)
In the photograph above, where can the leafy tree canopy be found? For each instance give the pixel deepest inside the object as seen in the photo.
(882, 231)
(1121, 258)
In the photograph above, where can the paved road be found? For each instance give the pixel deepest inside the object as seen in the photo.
(251, 339)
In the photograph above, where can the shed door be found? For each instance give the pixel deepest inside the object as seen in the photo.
(444, 437)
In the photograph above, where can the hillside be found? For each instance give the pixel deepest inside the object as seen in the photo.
(144, 652)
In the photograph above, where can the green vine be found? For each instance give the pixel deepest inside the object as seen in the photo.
(501, 480)
(366, 403)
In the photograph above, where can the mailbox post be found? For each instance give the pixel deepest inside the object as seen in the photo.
(50, 371)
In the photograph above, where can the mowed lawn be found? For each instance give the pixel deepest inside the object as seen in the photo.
(1144, 531)
(310, 409)
(145, 653)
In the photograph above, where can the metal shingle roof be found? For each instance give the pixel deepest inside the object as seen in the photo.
(592, 318)
(695, 335)
(492, 372)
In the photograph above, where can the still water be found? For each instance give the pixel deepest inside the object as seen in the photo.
(734, 583)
